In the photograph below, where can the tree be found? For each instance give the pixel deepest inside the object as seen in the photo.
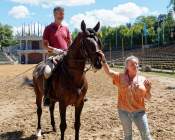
(107, 35)
(74, 33)
(150, 22)
(169, 25)
(172, 3)
(6, 36)
(159, 30)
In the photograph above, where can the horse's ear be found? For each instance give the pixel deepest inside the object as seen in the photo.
(97, 27)
(83, 26)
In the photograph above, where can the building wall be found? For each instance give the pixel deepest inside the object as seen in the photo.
(28, 48)
(34, 58)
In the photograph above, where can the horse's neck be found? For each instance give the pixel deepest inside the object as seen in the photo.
(75, 63)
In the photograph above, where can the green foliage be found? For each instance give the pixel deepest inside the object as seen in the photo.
(6, 36)
(75, 33)
(172, 3)
(159, 30)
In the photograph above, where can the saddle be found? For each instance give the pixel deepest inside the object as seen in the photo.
(55, 60)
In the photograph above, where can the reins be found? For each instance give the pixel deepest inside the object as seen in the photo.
(18, 75)
(84, 59)
(83, 52)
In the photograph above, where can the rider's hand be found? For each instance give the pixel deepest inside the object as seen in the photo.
(55, 61)
(65, 52)
(57, 51)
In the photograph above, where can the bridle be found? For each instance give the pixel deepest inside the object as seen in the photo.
(84, 44)
(86, 56)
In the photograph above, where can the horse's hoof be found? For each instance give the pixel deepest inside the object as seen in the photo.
(46, 101)
(85, 99)
(38, 133)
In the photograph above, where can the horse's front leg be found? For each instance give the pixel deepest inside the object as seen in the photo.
(39, 113)
(51, 108)
(77, 124)
(63, 124)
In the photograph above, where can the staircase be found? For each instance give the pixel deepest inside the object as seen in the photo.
(158, 58)
(4, 59)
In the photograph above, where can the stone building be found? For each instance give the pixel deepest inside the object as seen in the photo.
(30, 45)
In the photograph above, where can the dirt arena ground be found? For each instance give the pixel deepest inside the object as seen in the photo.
(99, 118)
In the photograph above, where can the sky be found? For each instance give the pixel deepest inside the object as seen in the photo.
(108, 12)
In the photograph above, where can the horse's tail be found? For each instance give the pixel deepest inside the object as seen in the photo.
(28, 82)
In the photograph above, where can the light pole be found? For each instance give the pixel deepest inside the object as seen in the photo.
(1, 38)
(163, 35)
(143, 44)
(145, 33)
(116, 41)
(110, 52)
(131, 38)
(158, 34)
(123, 53)
(161, 23)
(130, 31)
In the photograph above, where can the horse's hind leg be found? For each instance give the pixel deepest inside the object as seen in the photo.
(77, 124)
(51, 108)
(39, 110)
(63, 124)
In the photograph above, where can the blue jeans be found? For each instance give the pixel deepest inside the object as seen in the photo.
(139, 118)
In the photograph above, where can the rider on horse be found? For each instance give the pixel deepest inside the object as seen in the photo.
(56, 39)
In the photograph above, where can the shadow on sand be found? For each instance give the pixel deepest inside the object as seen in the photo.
(16, 135)
(170, 88)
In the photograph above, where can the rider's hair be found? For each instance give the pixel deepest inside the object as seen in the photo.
(132, 57)
(58, 8)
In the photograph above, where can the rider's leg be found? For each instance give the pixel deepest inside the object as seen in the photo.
(47, 73)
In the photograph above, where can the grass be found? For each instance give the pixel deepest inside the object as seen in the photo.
(163, 74)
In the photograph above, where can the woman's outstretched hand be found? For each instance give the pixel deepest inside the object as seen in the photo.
(102, 56)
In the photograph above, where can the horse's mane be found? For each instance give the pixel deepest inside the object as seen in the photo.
(61, 69)
(74, 43)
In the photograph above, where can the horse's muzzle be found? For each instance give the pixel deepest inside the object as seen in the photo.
(97, 61)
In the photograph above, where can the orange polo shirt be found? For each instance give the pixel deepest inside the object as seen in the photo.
(130, 96)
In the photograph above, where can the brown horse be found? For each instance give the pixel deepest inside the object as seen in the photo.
(69, 84)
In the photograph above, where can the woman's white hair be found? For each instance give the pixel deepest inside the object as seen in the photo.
(132, 57)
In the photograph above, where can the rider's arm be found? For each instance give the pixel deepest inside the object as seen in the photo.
(46, 45)
(69, 38)
(69, 41)
(50, 48)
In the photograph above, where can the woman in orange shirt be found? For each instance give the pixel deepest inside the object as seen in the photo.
(133, 89)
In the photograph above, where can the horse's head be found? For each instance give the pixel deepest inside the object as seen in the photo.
(91, 44)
